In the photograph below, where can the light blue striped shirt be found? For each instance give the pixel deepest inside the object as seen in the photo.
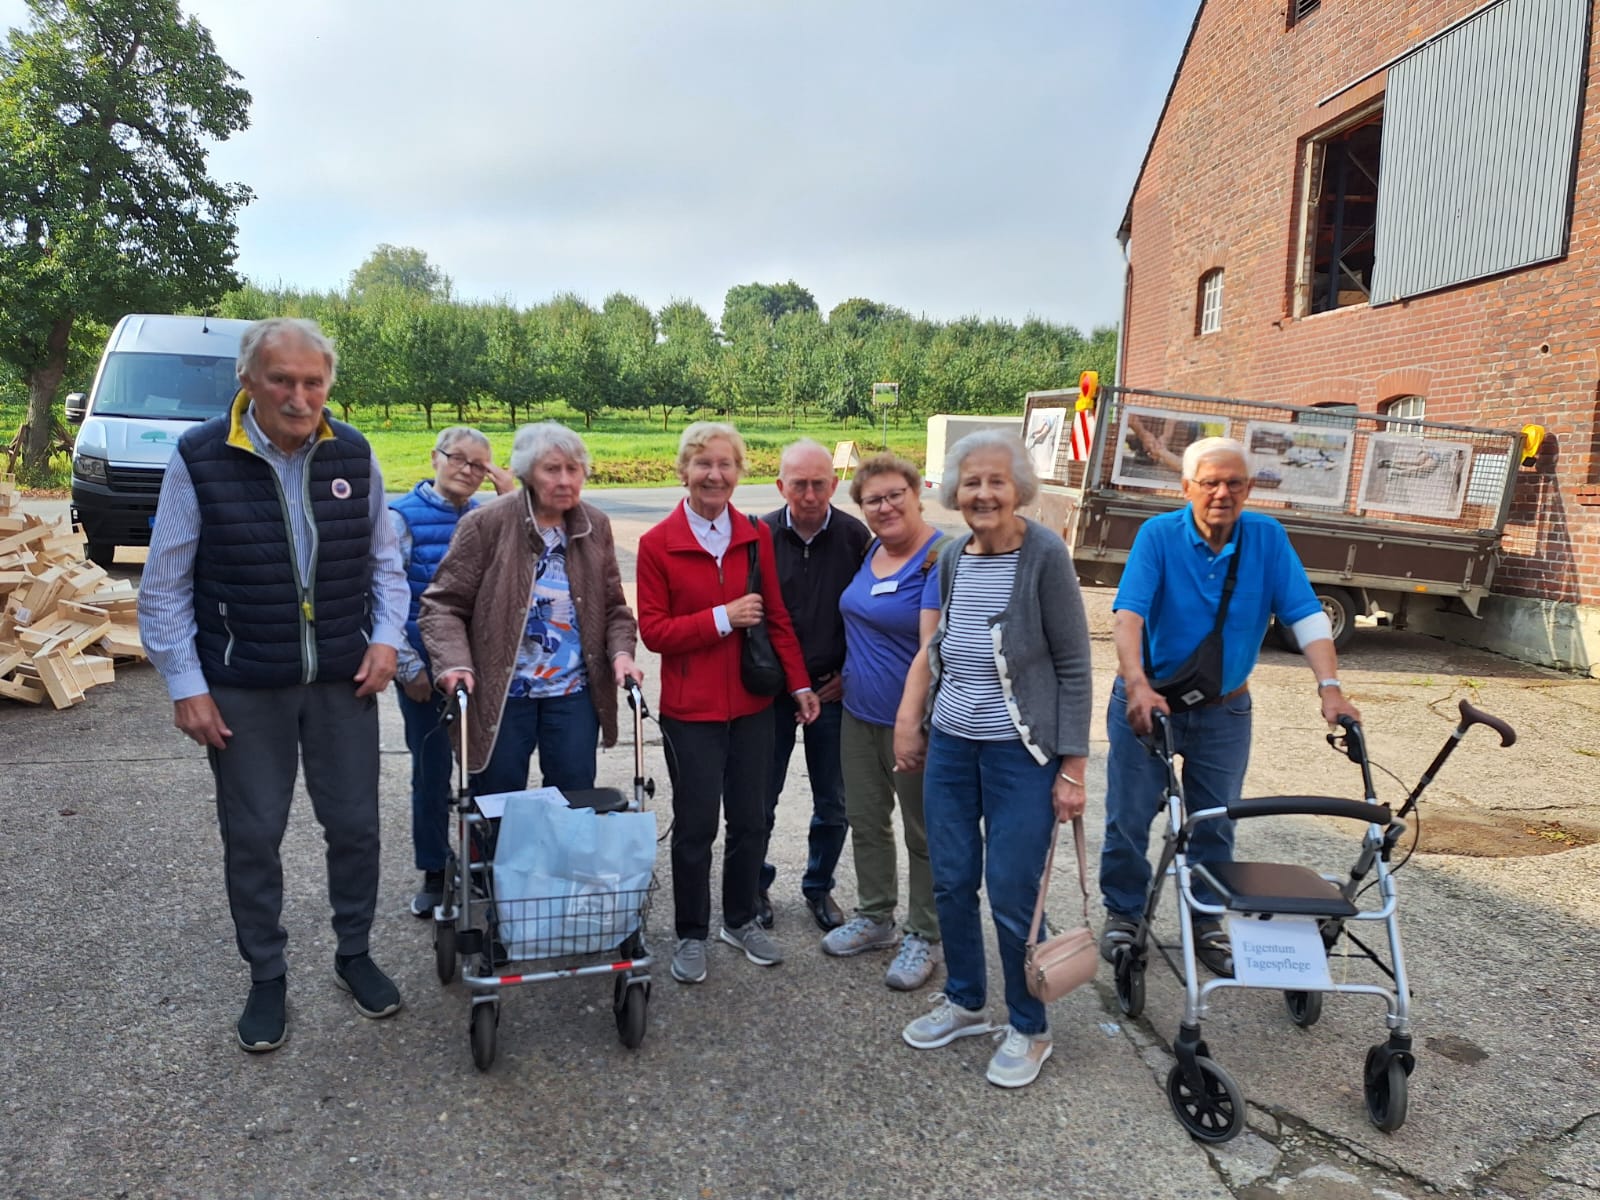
(166, 590)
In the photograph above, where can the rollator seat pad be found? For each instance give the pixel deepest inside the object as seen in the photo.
(602, 800)
(1283, 888)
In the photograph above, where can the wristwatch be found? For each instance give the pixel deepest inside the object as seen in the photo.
(1328, 683)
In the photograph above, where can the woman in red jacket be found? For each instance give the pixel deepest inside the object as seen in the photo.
(694, 601)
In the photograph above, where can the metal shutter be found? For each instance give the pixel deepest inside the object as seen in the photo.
(1479, 131)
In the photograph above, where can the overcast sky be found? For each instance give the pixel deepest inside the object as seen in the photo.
(951, 157)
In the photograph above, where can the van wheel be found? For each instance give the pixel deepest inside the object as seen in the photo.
(102, 553)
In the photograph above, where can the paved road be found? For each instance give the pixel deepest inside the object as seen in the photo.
(121, 984)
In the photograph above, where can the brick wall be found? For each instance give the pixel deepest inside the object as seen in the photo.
(1221, 188)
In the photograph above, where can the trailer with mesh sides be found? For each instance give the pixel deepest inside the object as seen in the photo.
(1387, 514)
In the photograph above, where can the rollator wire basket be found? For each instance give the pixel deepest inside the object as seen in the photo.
(587, 923)
(1292, 917)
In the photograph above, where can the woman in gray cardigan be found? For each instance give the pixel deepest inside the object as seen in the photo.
(996, 711)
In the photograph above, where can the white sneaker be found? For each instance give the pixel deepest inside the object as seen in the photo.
(1016, 1063)
(944, 1024)
(858, 934)
(913, 966)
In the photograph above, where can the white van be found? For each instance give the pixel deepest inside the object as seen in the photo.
(159, 375)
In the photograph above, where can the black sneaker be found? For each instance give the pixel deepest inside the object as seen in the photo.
(375, 993)
(263, 1026)
(764, 912)
(431, 895)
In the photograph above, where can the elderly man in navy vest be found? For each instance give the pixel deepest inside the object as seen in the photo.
(424, 520)
(273, 604)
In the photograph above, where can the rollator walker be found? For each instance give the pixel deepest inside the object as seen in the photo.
(468, 921)
(1285, 921)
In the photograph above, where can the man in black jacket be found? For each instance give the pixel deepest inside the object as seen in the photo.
(819, 550)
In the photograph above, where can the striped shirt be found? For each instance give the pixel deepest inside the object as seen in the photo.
(970, 702)
(166, 589)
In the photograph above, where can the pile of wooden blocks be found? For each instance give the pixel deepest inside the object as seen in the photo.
(64, 622)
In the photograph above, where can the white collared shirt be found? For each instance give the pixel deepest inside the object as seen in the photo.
(713, 537)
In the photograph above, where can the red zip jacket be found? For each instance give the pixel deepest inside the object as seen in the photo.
(679, 585)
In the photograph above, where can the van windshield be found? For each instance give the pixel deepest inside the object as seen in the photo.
(165, 387)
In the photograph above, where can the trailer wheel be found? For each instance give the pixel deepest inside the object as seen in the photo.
(1341, 610)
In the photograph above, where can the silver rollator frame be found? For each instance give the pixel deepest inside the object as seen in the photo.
(466, 919)
(1206, 1100)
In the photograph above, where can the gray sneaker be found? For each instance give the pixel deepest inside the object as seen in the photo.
(756, 943)
(1016, 1063)
(914, 964)
(943, 1025)
(858, 934)
(689, 960)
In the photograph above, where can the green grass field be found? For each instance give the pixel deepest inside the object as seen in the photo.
(627, 450)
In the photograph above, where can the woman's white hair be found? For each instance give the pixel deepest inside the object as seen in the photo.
(536, 441)
(1022, 475)
(448, 438)
(262, 334)
(1211, 447)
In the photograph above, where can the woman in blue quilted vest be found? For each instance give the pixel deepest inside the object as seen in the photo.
(424, 520)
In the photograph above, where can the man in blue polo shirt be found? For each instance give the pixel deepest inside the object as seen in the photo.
(1169, 595)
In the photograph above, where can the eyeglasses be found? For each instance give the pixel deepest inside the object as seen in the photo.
(873, 503)
(807, 485)
(1234, 486)
(462, 463)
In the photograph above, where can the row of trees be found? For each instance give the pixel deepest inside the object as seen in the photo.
(403, 340)
(106, 207)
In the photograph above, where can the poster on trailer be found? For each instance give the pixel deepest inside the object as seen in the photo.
(1308, 464)
(1151, 442)
(1420, 476)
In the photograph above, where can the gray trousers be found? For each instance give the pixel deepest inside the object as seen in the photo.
(335, 734)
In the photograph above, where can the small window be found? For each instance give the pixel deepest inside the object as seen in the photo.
(1402, 410)
(1299, 10)
(1211, 301)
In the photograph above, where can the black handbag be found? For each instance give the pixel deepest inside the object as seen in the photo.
(1197, 679)
(759, 668)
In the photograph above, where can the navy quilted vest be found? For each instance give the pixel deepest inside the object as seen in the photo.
(259, 625)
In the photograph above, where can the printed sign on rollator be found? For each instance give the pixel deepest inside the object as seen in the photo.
(1285, 953)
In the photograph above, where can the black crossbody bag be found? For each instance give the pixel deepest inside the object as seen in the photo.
(1198, 678)
(759, 668)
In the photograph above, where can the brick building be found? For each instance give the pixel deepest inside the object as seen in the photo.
(1395, 205)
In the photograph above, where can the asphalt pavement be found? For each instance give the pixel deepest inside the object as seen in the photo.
(121, 984)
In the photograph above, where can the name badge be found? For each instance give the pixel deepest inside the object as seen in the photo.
(884, 587)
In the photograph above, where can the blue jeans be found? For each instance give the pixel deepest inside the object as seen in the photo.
(1214, 741)
(828, 825)
(564, 730)
(431, 765)
(989, 817)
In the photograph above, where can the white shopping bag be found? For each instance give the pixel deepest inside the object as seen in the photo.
(569, 881)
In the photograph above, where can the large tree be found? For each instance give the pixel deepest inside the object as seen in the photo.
(106, 108)
(399, 268)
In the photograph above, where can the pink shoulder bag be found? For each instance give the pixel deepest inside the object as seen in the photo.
(1069, 959)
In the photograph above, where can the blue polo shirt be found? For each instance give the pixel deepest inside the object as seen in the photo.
(1174, 581)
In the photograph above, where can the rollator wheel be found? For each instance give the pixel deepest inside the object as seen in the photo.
(631, 1017)
(1305, 1008)
(485, 1019)
(1129, 982)
(1216, 1112)
(444, 950)
(1385, 1089)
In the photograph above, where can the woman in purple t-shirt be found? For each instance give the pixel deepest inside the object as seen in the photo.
(882, 610)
